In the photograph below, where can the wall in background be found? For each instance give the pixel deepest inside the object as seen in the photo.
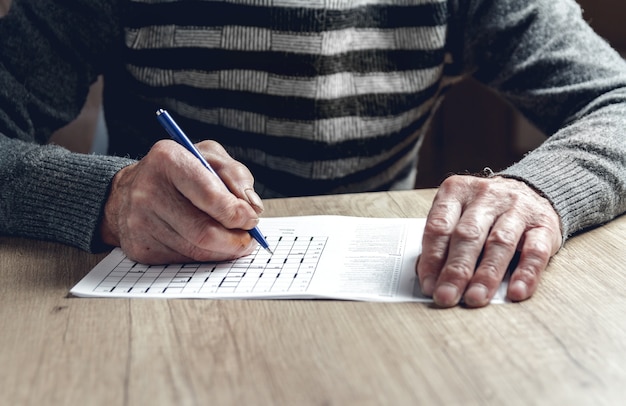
(475, 128)
(608, 18)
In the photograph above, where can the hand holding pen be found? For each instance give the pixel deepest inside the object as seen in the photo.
(168, 208)
(179, 136)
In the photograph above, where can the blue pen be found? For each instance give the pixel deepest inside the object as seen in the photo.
(179, 136)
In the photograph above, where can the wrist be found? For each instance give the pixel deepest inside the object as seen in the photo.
(109, 228)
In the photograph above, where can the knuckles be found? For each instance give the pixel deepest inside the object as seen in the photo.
(459, 271)
(468, 231)
(438, 225)
(503, 237)
(537, 249)
(163, 152)
(493, 272)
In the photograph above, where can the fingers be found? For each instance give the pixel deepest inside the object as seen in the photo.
(534, 258)
(440, 224)
(190, 231)
(202, 188)
(474, 229)
(152, 252)
(499, 250)
(165, 243)
(169, 208)
(467, 241)
(235, 175)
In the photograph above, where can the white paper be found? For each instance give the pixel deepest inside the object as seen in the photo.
(315, 257)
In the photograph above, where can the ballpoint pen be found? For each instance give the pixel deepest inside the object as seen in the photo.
(179, 136)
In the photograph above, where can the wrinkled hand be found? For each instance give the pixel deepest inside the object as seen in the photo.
(472, 232)
(169, 208)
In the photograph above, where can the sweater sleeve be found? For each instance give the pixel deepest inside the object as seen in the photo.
(543, 58)
(48, 59)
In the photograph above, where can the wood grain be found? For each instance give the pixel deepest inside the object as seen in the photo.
(566, 345)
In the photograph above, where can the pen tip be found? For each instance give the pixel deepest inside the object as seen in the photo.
(269, 250)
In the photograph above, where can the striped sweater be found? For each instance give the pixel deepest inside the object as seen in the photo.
(315, 97)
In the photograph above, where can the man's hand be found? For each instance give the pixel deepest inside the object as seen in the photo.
(472, 232)
(169, 208)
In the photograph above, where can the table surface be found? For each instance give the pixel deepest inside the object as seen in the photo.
(566, 345)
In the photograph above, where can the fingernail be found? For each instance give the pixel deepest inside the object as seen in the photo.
(521, 290)
(446, 295)
(254, 200)
(476, 295)
(428, 286)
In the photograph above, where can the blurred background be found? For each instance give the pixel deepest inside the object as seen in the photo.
(473, 129)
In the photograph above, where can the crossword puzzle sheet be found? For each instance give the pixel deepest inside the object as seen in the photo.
(290, 269)
(315, 257)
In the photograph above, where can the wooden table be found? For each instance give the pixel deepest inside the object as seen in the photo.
(567, 345)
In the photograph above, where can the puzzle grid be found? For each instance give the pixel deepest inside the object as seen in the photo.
(290, 269)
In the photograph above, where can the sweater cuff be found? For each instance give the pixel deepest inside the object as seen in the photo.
(62, 196)
(575, 192)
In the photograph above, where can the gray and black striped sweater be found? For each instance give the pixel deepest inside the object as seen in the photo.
(315, 97)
